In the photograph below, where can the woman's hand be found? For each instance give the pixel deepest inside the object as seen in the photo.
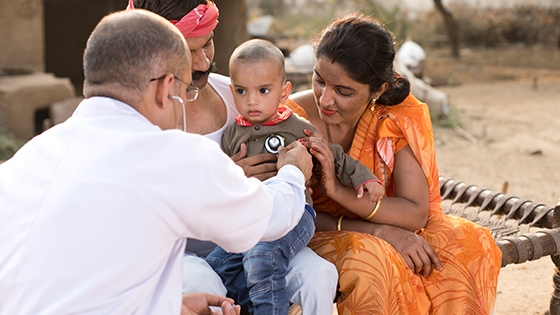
(261, 166)
(319, 148)
(199, 304)
(416, 252)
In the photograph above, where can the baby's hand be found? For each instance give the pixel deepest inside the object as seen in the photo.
(375, 190)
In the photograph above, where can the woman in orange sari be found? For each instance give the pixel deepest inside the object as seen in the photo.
(403, 255)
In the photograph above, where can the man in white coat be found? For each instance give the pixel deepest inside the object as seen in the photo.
(95, 212)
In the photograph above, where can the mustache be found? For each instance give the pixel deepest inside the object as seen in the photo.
(196, 75)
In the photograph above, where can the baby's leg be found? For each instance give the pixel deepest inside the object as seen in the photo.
(229, 267)
(266, 266)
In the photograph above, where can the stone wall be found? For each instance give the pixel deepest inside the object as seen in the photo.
(21, 35)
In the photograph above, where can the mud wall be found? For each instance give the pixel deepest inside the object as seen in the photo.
(21, 35)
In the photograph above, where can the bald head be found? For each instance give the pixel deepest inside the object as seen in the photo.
(128, 48)
(256, 50)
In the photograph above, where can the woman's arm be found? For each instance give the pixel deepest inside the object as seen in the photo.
(327, 222)
(416, 252)
(408, 209)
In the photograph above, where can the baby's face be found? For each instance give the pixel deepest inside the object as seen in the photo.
(258, 88)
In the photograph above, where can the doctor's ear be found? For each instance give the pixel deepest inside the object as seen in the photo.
(164, 88)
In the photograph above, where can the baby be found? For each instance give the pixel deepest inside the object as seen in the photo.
(256, 278)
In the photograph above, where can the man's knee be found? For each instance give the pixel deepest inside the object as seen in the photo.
(311, 278)
(198, 276)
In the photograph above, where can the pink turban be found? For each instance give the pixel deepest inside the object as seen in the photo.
(200, 21)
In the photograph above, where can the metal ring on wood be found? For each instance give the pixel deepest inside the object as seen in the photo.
(555, 234)
(521, 249)
(537, 246)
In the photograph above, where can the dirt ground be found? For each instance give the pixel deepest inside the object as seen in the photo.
(512, 109)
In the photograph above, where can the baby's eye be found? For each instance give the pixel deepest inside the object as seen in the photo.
(264, 91)
(240, 91)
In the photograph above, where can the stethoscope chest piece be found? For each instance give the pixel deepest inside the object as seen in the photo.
(273, 142)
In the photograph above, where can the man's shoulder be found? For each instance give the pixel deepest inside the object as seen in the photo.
(232, 128)
(216, 78)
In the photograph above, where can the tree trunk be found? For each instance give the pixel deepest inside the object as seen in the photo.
(230, 32)
(450, 27)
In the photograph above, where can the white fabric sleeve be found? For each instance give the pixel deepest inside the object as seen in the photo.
(288, 191)
(212, 199)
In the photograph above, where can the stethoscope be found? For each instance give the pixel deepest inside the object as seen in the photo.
(178, 99)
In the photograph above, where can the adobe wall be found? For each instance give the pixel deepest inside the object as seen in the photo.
(21, 35)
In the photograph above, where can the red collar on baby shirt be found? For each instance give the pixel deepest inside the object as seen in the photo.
(283, 113)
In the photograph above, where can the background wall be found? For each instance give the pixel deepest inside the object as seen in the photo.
(21, 35)
(68, 24)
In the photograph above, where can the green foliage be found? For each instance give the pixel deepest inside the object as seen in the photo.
(8, 145)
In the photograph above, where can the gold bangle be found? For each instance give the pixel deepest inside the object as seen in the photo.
(419, 231)
(339, 222)
(374, 211)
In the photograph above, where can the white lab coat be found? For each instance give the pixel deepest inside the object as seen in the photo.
(94, 213)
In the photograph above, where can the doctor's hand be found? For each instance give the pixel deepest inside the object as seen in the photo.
(198, 304)
(261, 166)
(296, 154)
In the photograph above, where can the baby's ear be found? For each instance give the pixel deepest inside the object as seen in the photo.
(286, 90)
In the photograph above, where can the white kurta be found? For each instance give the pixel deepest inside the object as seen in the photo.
(94, 213)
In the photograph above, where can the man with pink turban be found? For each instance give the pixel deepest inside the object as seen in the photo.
(311, 280)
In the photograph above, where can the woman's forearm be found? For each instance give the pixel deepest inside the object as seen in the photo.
(327, 222)
(407, 208)
(395, 211)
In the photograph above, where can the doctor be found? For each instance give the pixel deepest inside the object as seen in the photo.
(95, 212)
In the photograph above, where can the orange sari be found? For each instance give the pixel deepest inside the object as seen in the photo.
(373, 277)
